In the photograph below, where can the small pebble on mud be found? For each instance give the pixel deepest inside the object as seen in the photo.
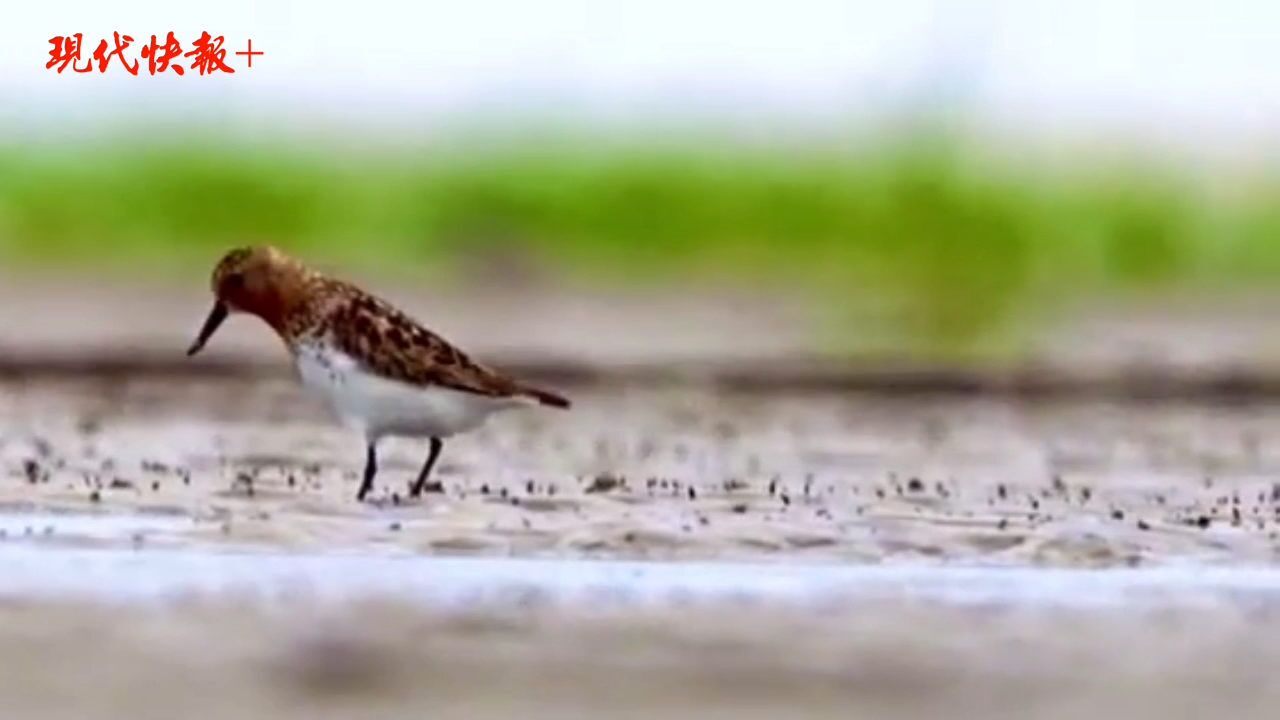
(600, 484)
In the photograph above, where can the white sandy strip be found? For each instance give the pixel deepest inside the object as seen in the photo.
(42, 571)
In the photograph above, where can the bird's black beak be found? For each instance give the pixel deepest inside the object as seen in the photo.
(216, 316)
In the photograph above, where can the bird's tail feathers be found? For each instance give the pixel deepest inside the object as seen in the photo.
(545, 397)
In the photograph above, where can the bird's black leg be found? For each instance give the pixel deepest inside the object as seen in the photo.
(370, 469)
(436, 445)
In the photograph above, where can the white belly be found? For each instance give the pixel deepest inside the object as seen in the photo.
(378, 406)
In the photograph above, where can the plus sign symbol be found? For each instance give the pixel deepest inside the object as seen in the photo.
(249, 52)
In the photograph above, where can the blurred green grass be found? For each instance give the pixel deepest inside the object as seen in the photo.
(946, 245)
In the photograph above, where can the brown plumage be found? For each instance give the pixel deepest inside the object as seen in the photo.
(300, 303)
(391, 344)
(381, 370)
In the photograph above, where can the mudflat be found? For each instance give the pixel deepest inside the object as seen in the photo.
(651, 472)
(1086, 525)
(203, 659)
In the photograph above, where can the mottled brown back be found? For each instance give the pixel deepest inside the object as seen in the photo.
(391, 344)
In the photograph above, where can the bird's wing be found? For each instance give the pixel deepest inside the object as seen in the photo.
(392, 345)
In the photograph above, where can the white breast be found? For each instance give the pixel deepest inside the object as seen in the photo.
(378, 406)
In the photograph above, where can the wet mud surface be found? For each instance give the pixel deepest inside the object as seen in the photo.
(900, 660)
(650, 472)
(157, 536)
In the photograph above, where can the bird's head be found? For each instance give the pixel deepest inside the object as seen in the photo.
(262, 280)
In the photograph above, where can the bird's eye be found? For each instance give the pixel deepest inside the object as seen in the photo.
(234, 281)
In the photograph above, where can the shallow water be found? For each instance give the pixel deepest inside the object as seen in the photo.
(106, 574)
